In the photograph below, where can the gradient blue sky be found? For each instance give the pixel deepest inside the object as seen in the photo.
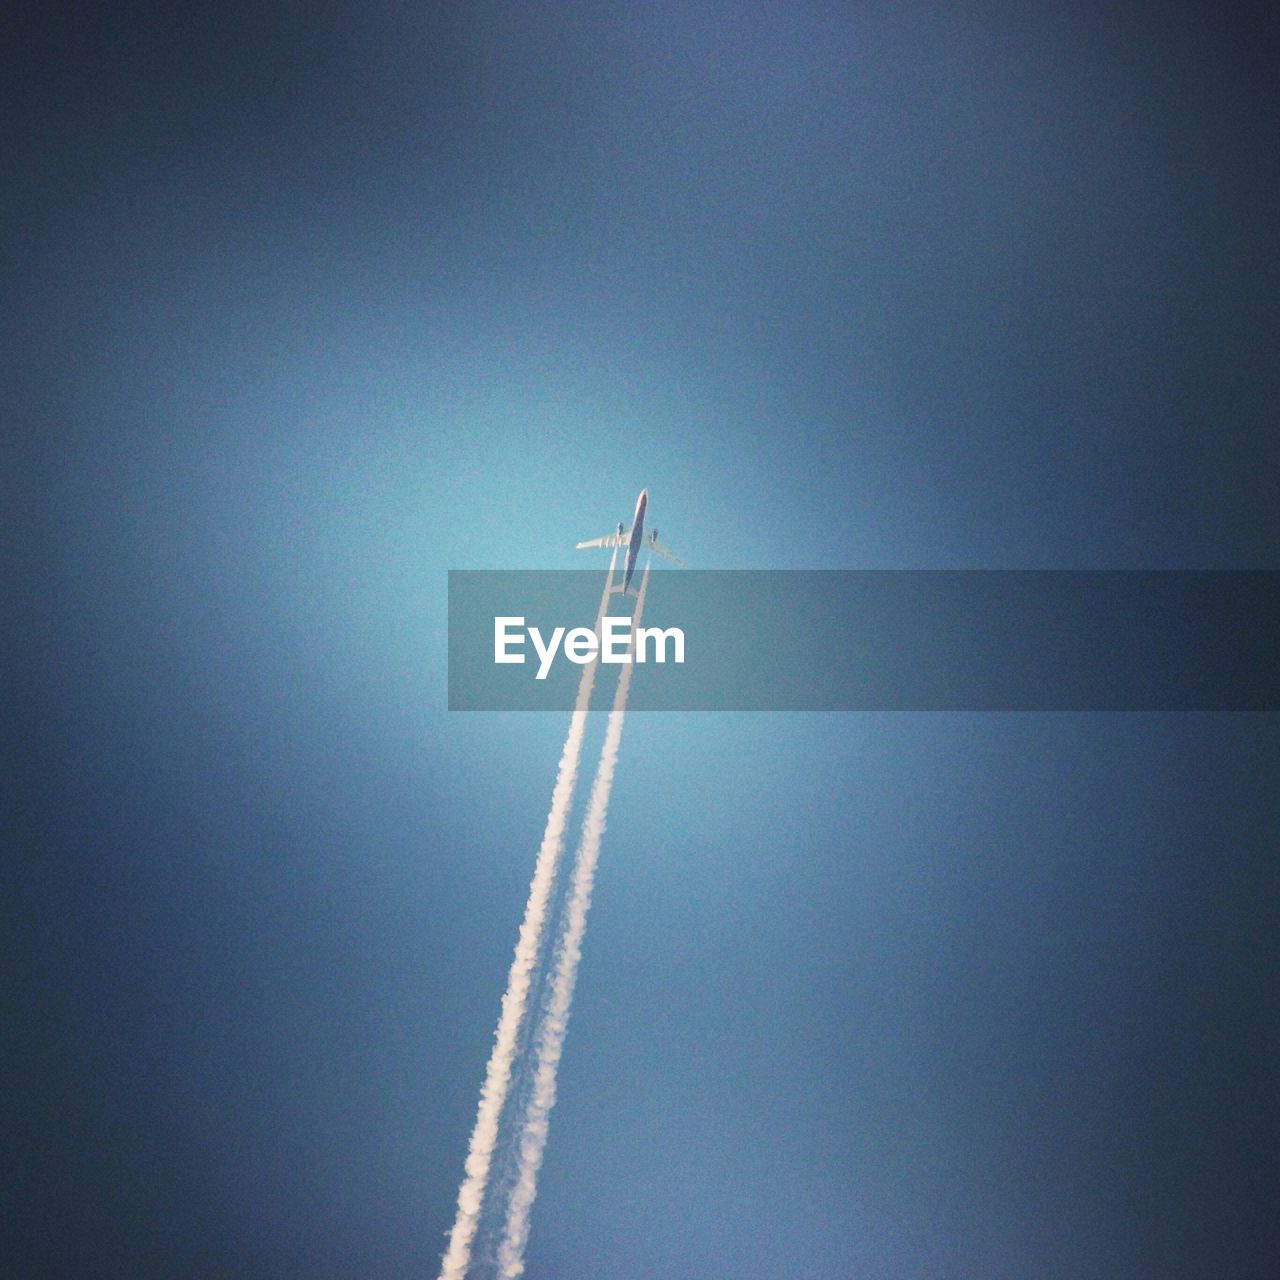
(310, 304)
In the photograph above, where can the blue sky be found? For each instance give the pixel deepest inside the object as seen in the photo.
(312, 304)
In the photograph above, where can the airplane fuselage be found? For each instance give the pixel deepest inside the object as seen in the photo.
(637, 533)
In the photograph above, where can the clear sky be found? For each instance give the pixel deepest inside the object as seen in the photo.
(312, 303)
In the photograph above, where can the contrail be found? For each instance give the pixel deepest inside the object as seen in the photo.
(555, 1016)
(497, 1079)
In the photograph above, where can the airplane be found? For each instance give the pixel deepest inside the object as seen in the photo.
(633, 541)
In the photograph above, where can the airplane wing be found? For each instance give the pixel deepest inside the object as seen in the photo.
(609, 540)
(654, 545)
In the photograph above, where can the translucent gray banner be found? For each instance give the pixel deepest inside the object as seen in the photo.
(880, 640)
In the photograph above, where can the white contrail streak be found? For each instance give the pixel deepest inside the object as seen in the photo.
(497, 1079)
(555, 1015)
